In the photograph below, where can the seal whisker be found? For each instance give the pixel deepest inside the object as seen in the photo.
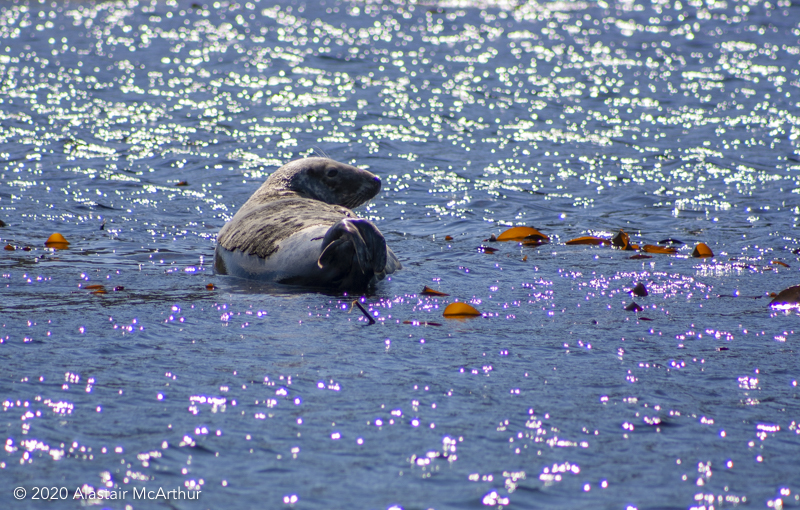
(318, 152)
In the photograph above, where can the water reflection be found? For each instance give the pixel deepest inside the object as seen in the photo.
(136, 129)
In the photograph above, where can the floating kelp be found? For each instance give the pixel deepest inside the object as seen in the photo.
(623, 241)
(596, 241)
(639, 290)
(522, 234)
(57, 241)
(532, 243)
(634, 307)
(702, 251)
(651, 248)
(460, 310)
(365, 312)
(422, 323)
(427, 291)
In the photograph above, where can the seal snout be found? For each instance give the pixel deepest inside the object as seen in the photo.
(369, 188)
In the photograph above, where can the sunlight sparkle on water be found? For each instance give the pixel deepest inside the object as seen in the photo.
(136, 129)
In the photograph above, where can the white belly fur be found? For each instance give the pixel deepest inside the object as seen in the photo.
(296, 257)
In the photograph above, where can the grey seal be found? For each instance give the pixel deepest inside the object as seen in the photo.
(298, 228)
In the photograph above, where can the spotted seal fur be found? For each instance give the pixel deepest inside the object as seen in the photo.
(298, 228)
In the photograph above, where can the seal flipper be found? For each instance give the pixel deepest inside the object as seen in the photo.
(219, 261)
(392, 263)
(357, 239)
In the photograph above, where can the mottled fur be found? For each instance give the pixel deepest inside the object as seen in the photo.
(259, 228)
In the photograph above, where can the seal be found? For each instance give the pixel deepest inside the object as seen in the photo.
(298, 228)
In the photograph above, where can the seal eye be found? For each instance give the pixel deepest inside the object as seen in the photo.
(333, 173)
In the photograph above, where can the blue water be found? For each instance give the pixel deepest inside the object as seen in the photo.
(137, 129)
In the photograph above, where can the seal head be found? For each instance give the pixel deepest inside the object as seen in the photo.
(320, 179)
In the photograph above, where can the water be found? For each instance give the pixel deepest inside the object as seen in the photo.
(137, 129)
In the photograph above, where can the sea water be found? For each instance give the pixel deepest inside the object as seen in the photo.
(134, 377)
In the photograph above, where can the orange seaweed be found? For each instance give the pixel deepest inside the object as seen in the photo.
(702, 250)
(651, 248)
(57, 241)
(460, 310)
(521, 233)
(623, 241)
(427, 291)
(588, 240)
